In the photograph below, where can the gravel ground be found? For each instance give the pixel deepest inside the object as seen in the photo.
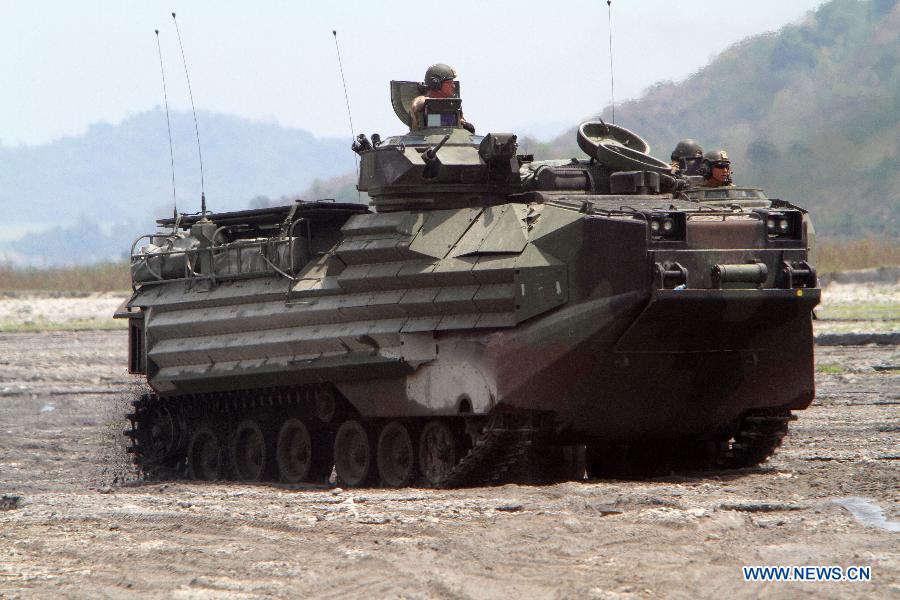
(74, 523)
(55, 310)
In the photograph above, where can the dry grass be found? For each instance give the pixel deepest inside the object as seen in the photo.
(103, 277)
(73, 325)
(848, 255)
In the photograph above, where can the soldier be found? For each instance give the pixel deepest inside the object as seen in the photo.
(687, 158)
(439, 81)
(716, 169)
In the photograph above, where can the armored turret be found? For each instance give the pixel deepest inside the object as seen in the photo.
(436, 165)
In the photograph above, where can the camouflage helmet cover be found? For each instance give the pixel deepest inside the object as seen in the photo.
(687, 149)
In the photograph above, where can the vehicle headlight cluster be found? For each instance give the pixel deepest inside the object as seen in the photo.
(665, 227)
(778, 225)
(783, 225)
(662, 226)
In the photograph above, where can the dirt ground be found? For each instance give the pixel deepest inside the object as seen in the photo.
(73, 523)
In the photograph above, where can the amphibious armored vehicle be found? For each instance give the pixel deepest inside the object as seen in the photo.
(487, 314)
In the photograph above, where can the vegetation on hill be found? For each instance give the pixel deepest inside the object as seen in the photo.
(811, 113)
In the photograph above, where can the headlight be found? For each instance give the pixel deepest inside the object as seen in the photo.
(783, 225)
(667, 227)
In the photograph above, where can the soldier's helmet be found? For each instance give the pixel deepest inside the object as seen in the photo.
(687, 149)
(438, 74)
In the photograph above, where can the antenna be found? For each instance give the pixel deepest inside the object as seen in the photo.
(196, 129)
(612, 81)
(347, 99)
(168, 123)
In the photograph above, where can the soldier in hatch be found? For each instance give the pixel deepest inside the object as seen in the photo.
(440, 83)
(716, 169)
(687, 158)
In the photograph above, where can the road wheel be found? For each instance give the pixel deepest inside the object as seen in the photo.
(438, 452)
(396, 456)
(249, 452)
(303, 453)
(354, 457)
(205, 457)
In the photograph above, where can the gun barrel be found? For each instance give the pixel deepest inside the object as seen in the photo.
(431, 153)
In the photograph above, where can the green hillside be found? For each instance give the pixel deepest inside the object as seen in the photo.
(811, 113)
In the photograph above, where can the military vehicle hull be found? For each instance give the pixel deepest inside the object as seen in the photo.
(477, 333)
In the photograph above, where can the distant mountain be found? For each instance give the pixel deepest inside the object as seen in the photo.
(811, 113)
(83, 242)
(118, 174)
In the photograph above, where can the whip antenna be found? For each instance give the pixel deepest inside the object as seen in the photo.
(194, 110)
(347, 99)
(168, 123)
(612, 81)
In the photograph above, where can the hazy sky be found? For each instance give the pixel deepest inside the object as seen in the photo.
(523, 64)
